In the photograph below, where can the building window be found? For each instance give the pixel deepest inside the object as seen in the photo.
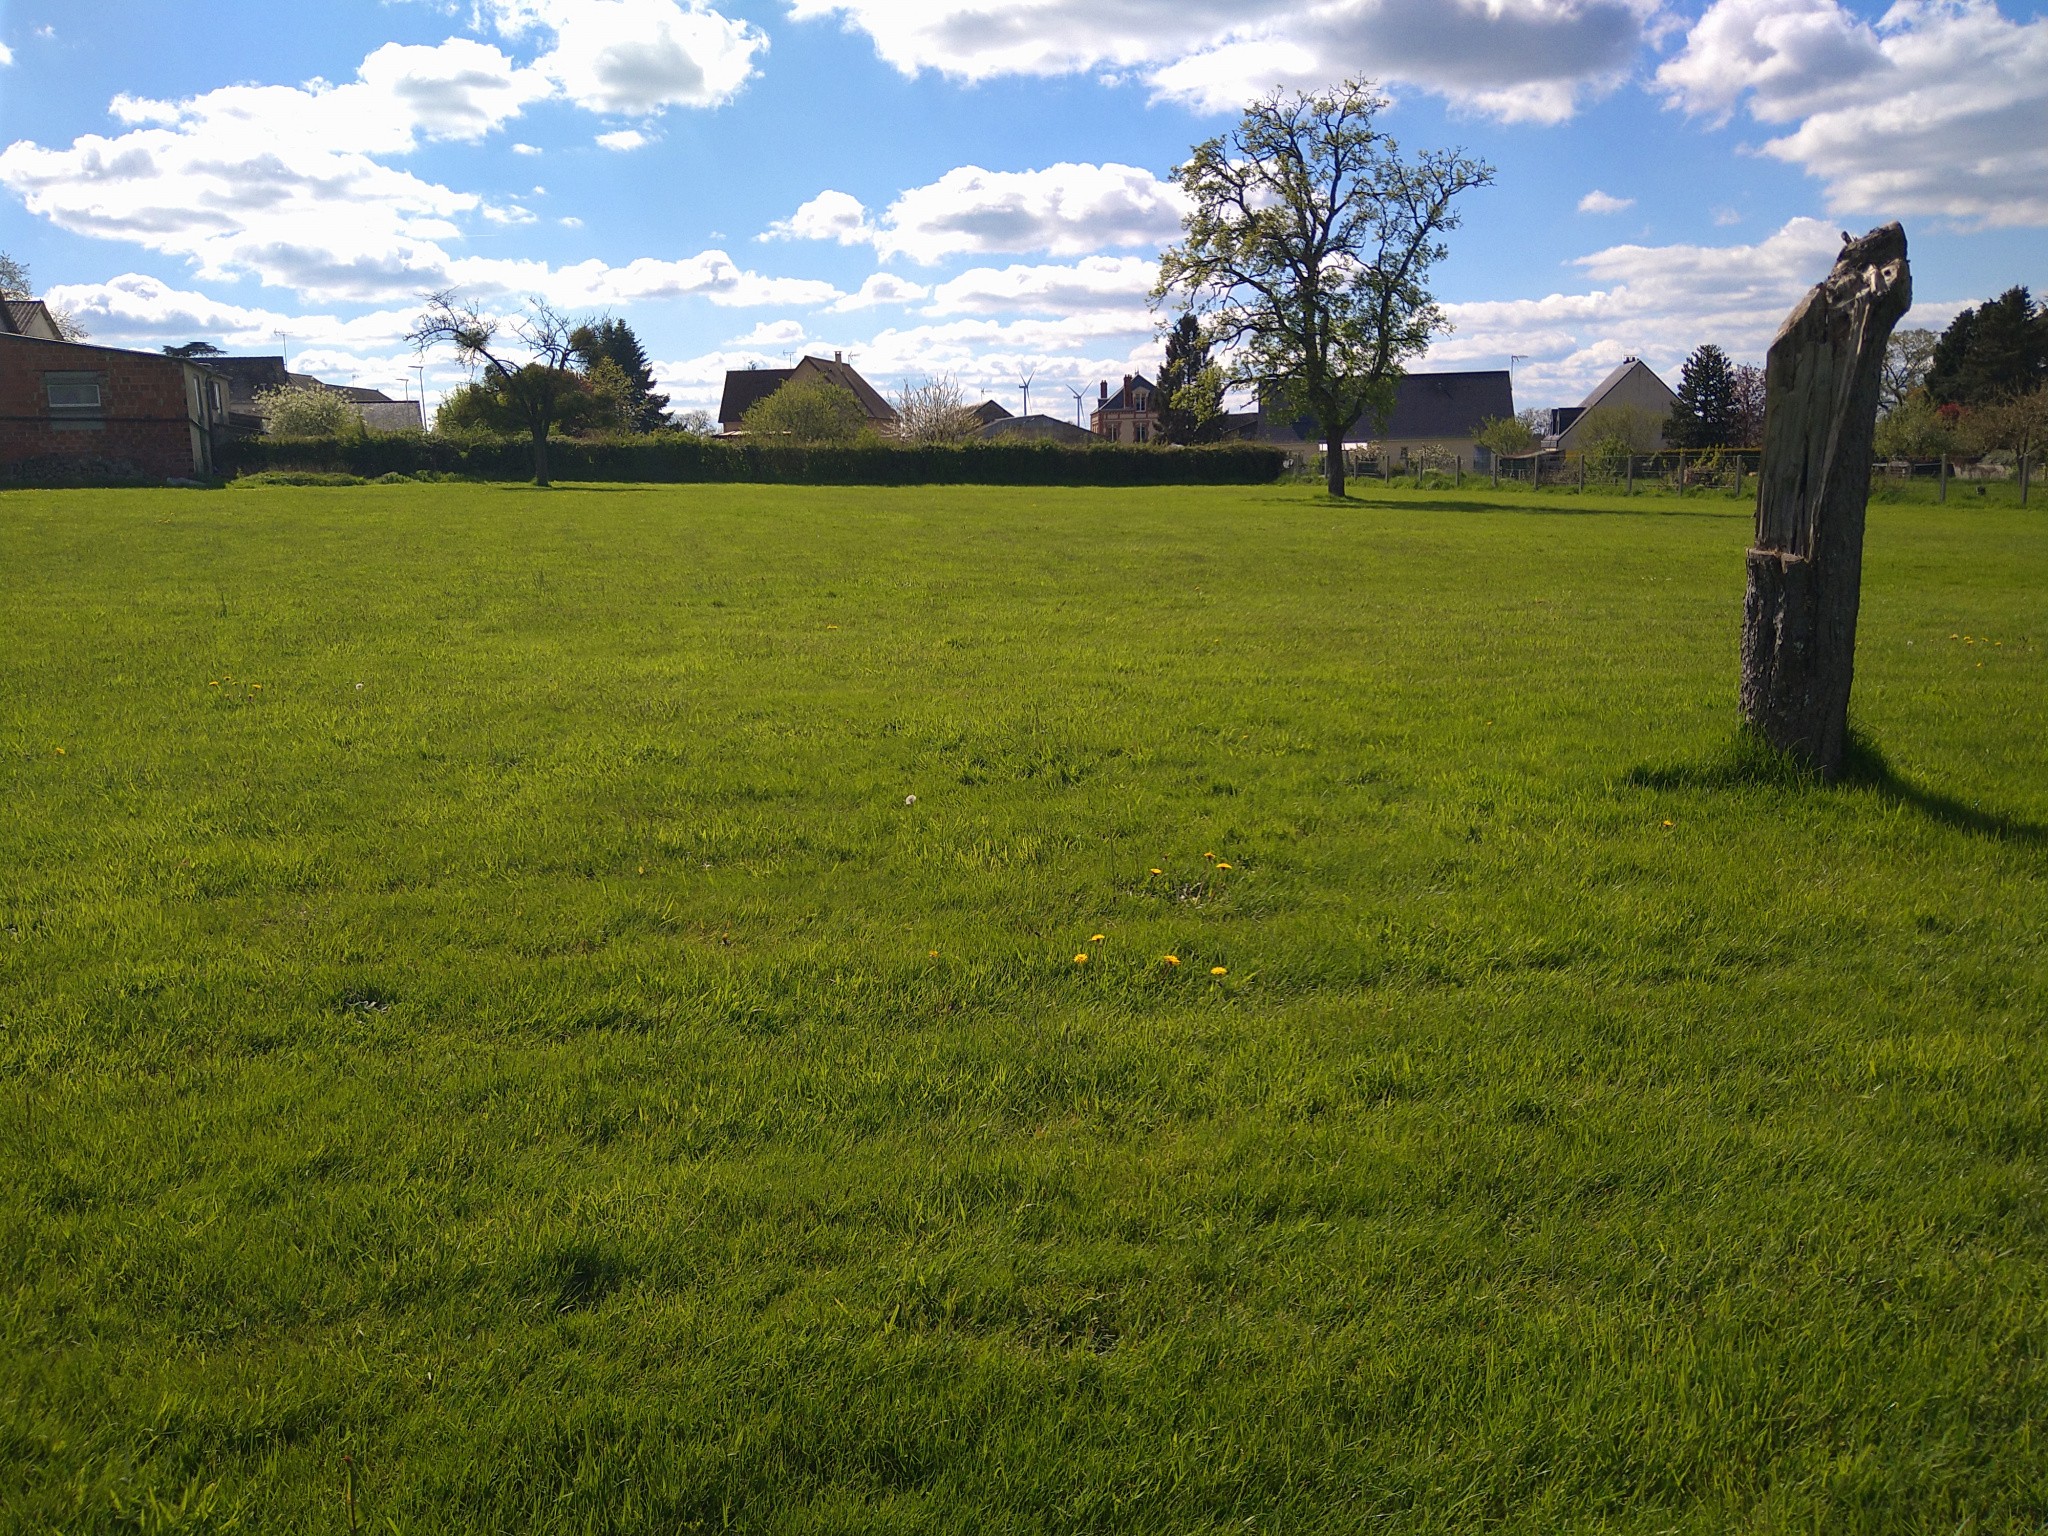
(1141, 433)
(71, 392)
(75, 401)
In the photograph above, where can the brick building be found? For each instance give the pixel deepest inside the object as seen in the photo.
(70, 411)
(1131, 415)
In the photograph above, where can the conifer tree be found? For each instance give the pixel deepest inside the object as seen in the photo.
(1706, 413)
(1991, 353)
(613, 339)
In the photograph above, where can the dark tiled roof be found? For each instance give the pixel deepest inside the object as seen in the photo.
(1448, 404)
(249, 376)
(1036, 429)
(1137, 384)
(842, 374)
(1427, 405)
(989, 412)
(27, 317)
(746, 388)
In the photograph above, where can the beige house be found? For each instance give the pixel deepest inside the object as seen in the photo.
(1634, 386)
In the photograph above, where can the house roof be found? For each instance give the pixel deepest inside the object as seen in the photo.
(746, 388)
(989, 412)
(1036, 428)
(28, 317)
(1426, 405)
(1135, 384)
(249, 377)
(841, 373)
(1612, 382)
(1450, 405)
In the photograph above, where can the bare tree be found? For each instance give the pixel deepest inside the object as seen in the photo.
(1308, 249)
(934, 411)
(540, 393)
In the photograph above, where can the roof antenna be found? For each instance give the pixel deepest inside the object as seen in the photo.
(1029, 375)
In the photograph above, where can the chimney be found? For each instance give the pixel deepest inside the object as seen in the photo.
(838, 357)
(1105, 391)
(1127, 389)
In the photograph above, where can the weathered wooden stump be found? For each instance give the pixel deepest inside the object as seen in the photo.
(1806, 569)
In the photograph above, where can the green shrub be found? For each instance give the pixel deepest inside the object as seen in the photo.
(682, 458)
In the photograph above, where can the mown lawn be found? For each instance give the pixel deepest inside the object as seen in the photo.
(484, 1024)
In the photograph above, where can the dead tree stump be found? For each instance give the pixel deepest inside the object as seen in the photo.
(1813, 487)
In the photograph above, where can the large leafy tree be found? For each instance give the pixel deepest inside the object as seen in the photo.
(1307, 250)
(611, 339)
(1992, 352)
(1708, 411)
(536, 395)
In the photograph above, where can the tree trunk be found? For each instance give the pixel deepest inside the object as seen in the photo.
(1333, 458)
(540, 457)
(1813, 486)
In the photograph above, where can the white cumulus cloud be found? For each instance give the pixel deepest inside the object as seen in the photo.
(1656, 302)
(635, 57)
(1514, 59)
(836, 216)
(1597, 201)
(1096, 283)
(1938, 108)
(882, 288)
(624, 140)
(1063, 210)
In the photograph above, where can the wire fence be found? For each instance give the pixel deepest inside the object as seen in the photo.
(1728, 471)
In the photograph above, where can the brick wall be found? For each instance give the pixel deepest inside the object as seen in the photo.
(143, 429)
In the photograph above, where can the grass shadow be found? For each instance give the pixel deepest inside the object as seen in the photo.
(1749, 762)
(1531, 508)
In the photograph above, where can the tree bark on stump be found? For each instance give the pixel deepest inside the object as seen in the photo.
(1813, 487)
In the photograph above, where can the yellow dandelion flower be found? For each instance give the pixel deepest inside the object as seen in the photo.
(1223, 866)
(1219, 970)
(1670, 823)
(1080, 959)
(1208, 855)
(1158, 871)
(60, 751)
(1169, 959)
(1096, 938)
(935, 954)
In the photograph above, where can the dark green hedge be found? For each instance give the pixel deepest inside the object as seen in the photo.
(676, 457)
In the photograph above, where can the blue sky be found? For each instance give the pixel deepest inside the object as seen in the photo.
(976, 187)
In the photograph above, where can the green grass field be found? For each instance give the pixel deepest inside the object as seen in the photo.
(488, 1042)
